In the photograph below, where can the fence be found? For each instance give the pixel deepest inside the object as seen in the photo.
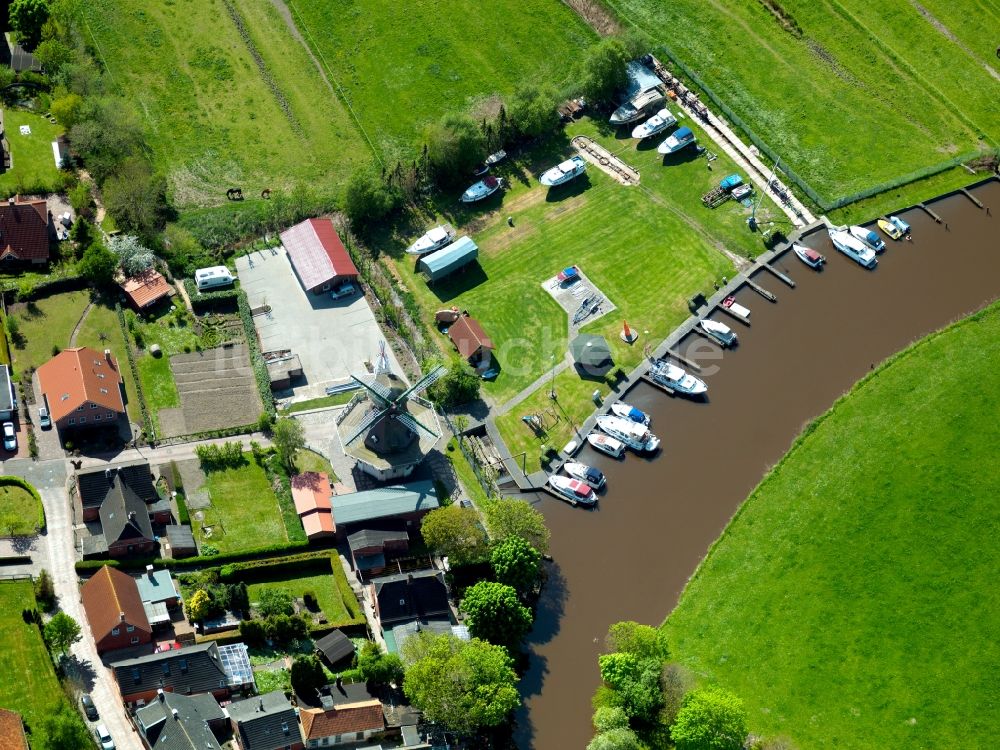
(805, 187)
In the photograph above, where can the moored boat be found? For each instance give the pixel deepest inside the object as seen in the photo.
(638, 107)
(564, 172)
(635, 436)
(901, 225)
(627, 411)
(584, 473)
(810, 257)
(676, 378)
(654, 125)
(606, 444)
(676, 141)
(496, 158)
(434, 239)
(720, 332)
(577, 492)
(482, 189)
(867, 236)
(736, 308)
(853, 248)
(891, 230)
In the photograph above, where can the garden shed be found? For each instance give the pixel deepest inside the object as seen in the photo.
(449, 259)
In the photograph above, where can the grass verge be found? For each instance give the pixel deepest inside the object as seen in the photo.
(244, 513)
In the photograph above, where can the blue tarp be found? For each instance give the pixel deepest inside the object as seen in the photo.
(681, 133)
(448, 259)
(730, 182)
(640, 78)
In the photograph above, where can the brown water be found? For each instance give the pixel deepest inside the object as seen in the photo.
(630, 558)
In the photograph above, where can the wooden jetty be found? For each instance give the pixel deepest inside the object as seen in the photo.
(684, 360)
(779, 274)
(761, 291)
(931, 213)
(972, 198)
(649, 381)
(733, 315)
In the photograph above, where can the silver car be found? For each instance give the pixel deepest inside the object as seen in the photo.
(9, 437)
(104, 737)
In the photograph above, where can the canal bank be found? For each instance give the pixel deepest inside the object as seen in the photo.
(630, 558)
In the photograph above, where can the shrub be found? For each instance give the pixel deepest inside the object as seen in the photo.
(368, 199)
(307, 675)
(533, 109)
(455, 145)
(710, 719)
(274, 602)
(253, 632)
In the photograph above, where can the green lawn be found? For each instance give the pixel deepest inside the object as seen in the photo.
(307, 460)
(244, 512)
(46, 323)
(319, 581)
(862, 93)
(213, 118)
(320, 402)
(33, 168)
(852, 601)
(402, 66)
(29, 686)
(19, 511)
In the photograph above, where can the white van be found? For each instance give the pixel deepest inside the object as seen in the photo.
(212, 278)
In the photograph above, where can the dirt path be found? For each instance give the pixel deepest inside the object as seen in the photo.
(952, 38)
(79, 324)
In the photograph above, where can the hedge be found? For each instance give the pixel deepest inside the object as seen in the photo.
(148, 421)
(139, 563)
(256, 358)
(7, 481)
(15, 560)
(209, 301)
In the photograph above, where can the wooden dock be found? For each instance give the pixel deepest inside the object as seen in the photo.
(734, 316)
(779, 274)
(972, 198)
(649, 381)
(931, 213)
(684, 360)
(761, 291)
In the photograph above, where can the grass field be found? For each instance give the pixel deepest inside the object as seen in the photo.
(319, 582)
(244, 512)
(402, 66)
(30, 686)
(307, 460)
(19, 511)
(33, 167)
(46, 323)
(850, 93)
(212, 117)
(852, 601)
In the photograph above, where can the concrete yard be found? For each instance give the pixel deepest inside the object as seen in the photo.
(333, 338)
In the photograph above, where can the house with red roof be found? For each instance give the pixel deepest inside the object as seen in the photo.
(114, 610)
(342, 724)
(319, 258)
(311, 494)
(83, 389)
(25, 232)
(146, 290)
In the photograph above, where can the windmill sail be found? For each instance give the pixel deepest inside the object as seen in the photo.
(425, 382)
(383, 395)
(411, 423)
(366, 423)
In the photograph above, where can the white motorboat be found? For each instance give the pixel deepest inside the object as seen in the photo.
(606, 444)
(809, 256)
(577, 492)
(869, 237)
(434, 239)
(641, 104)
(676, 141)
(901, 225)
(627, 411)
(853, 248)
(482, 189)
(655, 124)
(496, 158)
(635, 436)
(676, 378)
(720, 332)
(586, 474)
(564, 172)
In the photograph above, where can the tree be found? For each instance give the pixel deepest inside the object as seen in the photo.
(53, 55)
(642, 641)
(61, 729)
(307, 675)
(98, 264)
(67, 109)
(455, 145)
(289, 438)
(367, 198)
(495, 613)
(516, 563)
(462, 685)
(61, 632)
(607, 718)
(198, 605)
(603, 70)
(135, 259)
(455, 532)
(710, 719)
(45, 592)
(511, 517)
(136, 197)
(107, 135)
(274, 602)
(378, 667)
(622, 738)
(460, 385)
(533, 109)
(635, 682)
(27, 17)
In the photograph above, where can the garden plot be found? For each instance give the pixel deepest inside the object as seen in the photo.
(217, 389)
(579, 297)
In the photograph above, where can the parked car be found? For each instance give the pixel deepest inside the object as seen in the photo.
(88, 706)
(44, 420)
(345, 290)
(104, 738)
(9, 437)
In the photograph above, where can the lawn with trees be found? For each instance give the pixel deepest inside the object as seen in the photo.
(20, 508)
(850, 602)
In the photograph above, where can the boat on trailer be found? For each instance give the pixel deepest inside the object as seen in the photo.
(891, 230)
(627, 411)
(434, 239)
(719, 332)
(577, 492)
(482, 189)
(606, 444)
(584, 473)
(676, 141)
(564, 172)
(676, 378)
(869, 237)
(810, 257)
(654, 125)
(635, 436)
(640, 105)
(853, 248)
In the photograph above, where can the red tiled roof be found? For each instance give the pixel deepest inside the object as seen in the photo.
(468, 336)
(12, 731)
(24, 230)
(318, 523)
(146, 289)
(351, 717)
(317, 252)
(75, 376)
(107, 595)
(311, 491)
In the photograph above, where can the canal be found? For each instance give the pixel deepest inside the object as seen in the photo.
(630, 558)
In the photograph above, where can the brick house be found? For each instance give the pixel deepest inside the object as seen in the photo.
(114, 610)
(83, 389)
(25, 232)
(222, 671)
(94, 487)
(406, 597)
(181, 722)
(266, 722)
(342, 724)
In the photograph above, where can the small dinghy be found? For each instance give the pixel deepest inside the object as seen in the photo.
(720, 332)
(809, 256)
(563, 173)
(626, 411)
(606, 444)
(434, 239)
(869, 237)
(586, 474)
(496, 158)
(573, 490)
(901, 225)
(655, 124)
(676, 141)
(482, 189)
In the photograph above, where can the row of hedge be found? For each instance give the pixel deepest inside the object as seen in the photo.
(209, 301)
(146, 418)
(256, 357)
(140, 563)
(12, 481)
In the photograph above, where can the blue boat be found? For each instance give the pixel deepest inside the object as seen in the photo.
(901, 225)
(676, 141)
(626, 411)
(869, 237)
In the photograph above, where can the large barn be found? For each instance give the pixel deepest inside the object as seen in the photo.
(319, 258)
